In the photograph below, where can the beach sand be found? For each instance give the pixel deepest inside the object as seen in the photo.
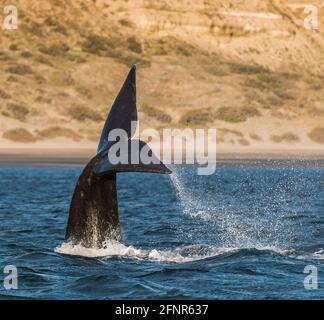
(72, 154)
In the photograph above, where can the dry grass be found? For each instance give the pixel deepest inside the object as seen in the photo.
(17, 111)
(230, 131)
(255, 137)
(233, 114)
(26, 54)
(134, 45)
(126, 52)
(241, 68)
(61, 79)
(99, 45)
(20, 69)
(55, 50)
(43, 60)
(317, 135)
(196, 117)
(4, 94)
(35, 29)
(244, 142)
(286, 137)
(82, 113)
(19, 135)
(156, 114)
(55, 132)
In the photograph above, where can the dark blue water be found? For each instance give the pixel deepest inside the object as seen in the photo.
(242, 233)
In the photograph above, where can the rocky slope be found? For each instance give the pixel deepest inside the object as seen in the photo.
(248, 68)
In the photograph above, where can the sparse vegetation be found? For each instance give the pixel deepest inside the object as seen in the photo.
(20, 69)
(134, 45)
(255, 137)
(35, 29)
(82, 113)
(4, 94)
(126, 23)
(286, 137)
(4, 56)
(13, 47)
(156, 114)
(56, 26)
(232, 114)
(55, 50)
(12, 79)
(317, 135)
(230, 131)
(42, 99)
(17, 111)
(55, 132)
(98, 45)
(196, 117)
(19, 135)
(45, 82)
(247, 68)
(62, 79)
(243, 142)
(43, 60)
(26, 54)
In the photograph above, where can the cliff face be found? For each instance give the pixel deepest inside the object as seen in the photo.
(248, 68)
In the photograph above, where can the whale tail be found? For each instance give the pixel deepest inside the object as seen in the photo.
(93, 216)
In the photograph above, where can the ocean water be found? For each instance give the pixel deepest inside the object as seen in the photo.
(246, 232)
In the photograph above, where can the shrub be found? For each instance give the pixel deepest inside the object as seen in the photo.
(12, 79)
(157, 114)
(255, 137)
(20, 69)
(55, 50)
(134, 45)
(26, 54)
(196, 117)
(43, 60)
(244, 142)
(13, 47)
(17, 111)
(4, 94)
(97, 44)
(232, 114)
(317, 135)
(126, 23)
(35, 29)
(286, 137)
(247, 68)
(54, 132)
(19, 135)
(82, 113)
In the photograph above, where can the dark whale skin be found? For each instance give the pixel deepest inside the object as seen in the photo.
(93, 216)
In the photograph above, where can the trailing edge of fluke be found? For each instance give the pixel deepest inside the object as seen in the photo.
(93, 216)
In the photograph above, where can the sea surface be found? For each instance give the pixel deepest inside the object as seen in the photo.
(245, 232)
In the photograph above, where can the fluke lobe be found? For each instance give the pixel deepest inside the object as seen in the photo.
(93, 216)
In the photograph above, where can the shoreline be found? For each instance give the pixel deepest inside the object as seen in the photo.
(80, 156)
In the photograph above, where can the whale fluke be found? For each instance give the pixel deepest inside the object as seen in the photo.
(93, 215)
(123, 110)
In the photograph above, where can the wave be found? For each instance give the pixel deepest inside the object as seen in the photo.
(177, 255)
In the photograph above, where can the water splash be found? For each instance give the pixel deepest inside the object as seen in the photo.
(223, 221)
(190, 204)
(178, 255)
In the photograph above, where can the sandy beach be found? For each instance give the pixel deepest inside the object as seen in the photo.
(71, 156)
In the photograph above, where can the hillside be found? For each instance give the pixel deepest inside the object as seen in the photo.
(247, 68)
